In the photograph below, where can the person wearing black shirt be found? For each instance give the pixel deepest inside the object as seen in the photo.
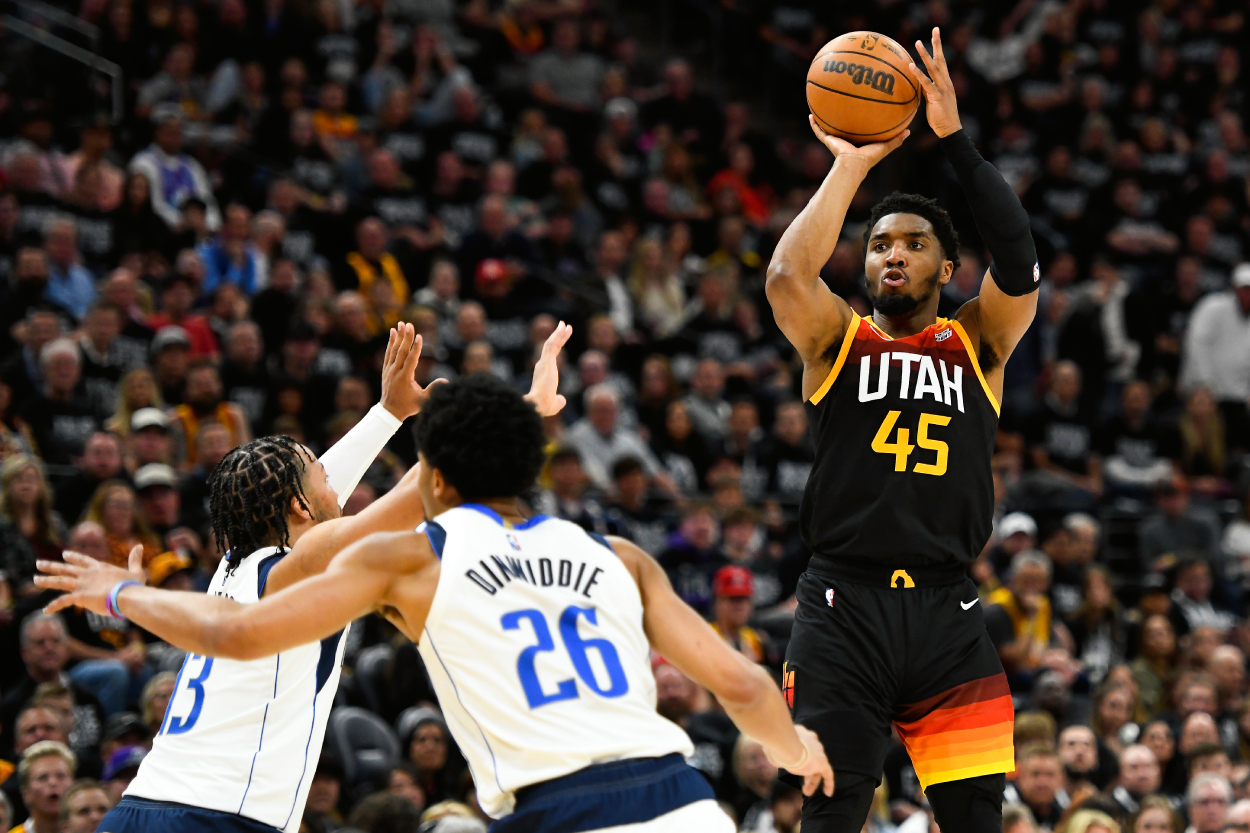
(643, 521)
(101, 461)
(61, 416)
(474, 133)
(273, 306)
(1059, 435)
(694, 117)
(243, 374)
(1136, 450)
(693, 557)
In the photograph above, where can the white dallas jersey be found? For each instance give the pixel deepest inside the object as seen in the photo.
(535, 646)
(245, 737)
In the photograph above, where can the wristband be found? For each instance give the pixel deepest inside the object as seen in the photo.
(110, 601)
(807, 753)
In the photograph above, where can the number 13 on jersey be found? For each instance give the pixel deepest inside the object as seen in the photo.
(577, 649)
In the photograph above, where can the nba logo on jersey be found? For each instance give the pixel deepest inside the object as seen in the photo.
(1037, 272)
(829, 597)
(512, 539)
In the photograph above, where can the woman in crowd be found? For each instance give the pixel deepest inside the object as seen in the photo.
(1203, 443)
(1097, 628)
(138, 389)
(404, 780)
(658, 387)
(682, 450)
(659, 296)
(1158, 735)
(114, 506)
(1112, 719)
(428, 747)
(26, 506)
(1155, 665)
(15, 436)
(139, 229)
(1155, 816)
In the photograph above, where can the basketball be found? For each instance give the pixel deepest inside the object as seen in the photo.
(859, 89)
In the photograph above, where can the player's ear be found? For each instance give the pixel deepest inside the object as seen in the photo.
(444, 492)
(298, 512)
(948, 269)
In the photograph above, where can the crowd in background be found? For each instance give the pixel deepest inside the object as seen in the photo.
(290, 178)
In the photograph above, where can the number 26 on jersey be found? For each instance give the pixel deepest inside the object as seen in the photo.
(578, 651)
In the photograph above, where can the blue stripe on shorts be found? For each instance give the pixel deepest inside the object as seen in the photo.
(606, 795)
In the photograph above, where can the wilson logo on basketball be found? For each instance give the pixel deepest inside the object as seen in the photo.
(881, 81)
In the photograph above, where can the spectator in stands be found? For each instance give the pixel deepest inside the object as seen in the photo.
(1038, 784)
(601, 441)
(1177, 526)
(1155, 663)
(1217, 345)
(693, 556)
(1192, 596)
(114, 506)
(732, 589)
(26, 505)
(83, 806)
(173, 176)
(429, 748)
(46, 773)
(1207, 801)
(150, 440)
(1140, 776)
(101, 461)
(202, 402)
(177, 298)
(154, 701)
(1018, 616)
(230, 256)
(70, 285)
(1060, 436)
(60, 416)
(706, 404)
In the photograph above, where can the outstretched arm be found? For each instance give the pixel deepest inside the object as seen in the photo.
(355, 584)
(748, 694)
(1008, 301)
(809, 314)
(400, 509)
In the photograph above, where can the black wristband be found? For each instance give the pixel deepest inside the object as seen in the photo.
(1001, 219)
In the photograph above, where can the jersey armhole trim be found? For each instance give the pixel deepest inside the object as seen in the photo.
(976, 365)
(847, 340)
(262, 571)
(437, 535)
(601, 540)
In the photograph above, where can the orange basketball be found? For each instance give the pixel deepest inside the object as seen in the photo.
(858, 88)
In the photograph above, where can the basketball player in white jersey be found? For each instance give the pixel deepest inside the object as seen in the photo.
(536, 635)
(240, 739)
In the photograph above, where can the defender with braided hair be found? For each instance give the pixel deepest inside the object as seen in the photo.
(537, 635)
(241, 738)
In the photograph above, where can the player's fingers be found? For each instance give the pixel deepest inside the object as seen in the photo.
(55, 582)
(926, 86)
(59, 603)
(77, 559)
(56, 568)
(390, 349)
(810, 783)
(135, 560)
(560, 402)
(414, 356)
(828, 777)
(898, 140)
(929, 66)
(938, 55)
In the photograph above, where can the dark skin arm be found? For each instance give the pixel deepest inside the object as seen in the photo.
(806, 310)
(994, 320)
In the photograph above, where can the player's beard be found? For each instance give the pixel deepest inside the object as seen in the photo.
(891, 304)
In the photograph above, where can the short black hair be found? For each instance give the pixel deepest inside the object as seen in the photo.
(483, 436)
(898, 203)
(624, 466)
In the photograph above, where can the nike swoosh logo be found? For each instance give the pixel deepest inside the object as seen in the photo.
(968, 605)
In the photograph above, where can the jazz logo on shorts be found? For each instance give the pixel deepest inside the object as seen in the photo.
(829, 597)
(787, 683)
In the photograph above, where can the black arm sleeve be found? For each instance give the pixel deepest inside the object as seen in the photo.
(1001, 219)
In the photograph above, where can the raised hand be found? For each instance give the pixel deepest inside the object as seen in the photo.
(939, 91)
(86, 582)
(543, 392)
(867, 155)
(401, 395)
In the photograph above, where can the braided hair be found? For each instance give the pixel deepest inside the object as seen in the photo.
(250, 494)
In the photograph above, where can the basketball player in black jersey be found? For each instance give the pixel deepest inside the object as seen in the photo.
(903, 408)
